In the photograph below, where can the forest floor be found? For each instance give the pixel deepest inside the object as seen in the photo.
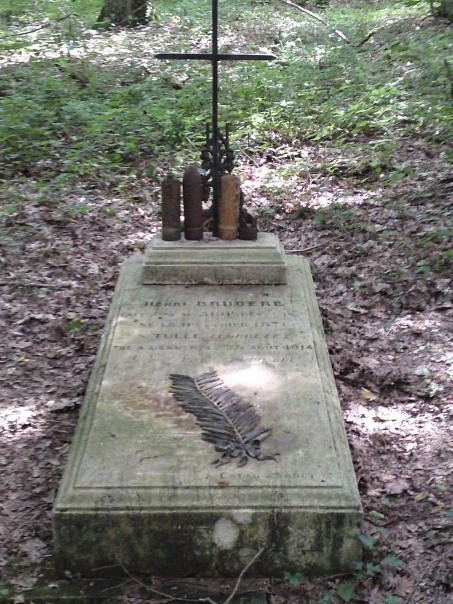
(377, 232)
(383, 278)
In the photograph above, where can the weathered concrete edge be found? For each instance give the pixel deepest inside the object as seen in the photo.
(55, 587)
(160, 544)
(209, 275)
(89, 405)
(335, 413)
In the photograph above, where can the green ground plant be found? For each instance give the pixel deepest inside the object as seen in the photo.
(366, 572)
(81, 104)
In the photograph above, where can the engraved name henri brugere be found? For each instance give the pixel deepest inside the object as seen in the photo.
(207, 303)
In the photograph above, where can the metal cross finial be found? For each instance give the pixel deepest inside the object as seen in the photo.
(216, 138)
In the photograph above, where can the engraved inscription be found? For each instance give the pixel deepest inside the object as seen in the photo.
(240, 303)
(260, 326)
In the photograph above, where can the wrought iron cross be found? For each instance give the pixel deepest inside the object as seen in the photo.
(214, 138)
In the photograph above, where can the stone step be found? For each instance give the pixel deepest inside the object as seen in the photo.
(213, 261)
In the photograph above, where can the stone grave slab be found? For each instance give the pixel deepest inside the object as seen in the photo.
(139, 489)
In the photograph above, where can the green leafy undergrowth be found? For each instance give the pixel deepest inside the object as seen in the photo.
(84, 124)
(33, 12)
(376, 569)
(82, 104)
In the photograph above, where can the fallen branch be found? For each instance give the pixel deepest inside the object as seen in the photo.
(426, 571)
(244, 570)
(338, 32)
(305, 249)
(372, 32)
(34, 284)
(313, 15)
(370, 35)
(449, 69)
(171, 598)
(31, 31)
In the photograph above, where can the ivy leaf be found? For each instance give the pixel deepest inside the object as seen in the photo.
(376, 515)
(5, 591)
(392, 561)
(371, 569)
(346, 591)
(295, 580)
(367, 542)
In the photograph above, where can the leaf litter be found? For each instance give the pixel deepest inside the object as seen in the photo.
(389, 335)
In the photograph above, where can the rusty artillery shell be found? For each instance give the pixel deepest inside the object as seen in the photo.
(248, 227)
(192, 195)
(229, 203)
(171, 209)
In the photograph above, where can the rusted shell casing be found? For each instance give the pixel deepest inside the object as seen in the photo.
(171, 209)
(229, 204)
(192, 195)
(248, 226)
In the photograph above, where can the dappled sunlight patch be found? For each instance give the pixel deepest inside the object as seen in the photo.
(14, 419)
(417, 324)
(402, 421)
(125, 106)
(289, 186)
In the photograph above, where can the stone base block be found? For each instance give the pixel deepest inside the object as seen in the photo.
(215, 262)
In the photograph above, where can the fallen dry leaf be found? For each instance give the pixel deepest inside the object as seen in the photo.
(396, 487)
(368, 395)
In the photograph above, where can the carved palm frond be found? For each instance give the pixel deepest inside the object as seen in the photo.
(226, 421)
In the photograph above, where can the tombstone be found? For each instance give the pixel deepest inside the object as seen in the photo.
(211, 428)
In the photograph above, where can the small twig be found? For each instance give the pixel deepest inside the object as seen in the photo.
(244, 570)
(313, 15)
(370, 35)
(250, 158)
(116, 586)
(31, 284)
(331, 577)
(163, 594)
(198, 600)
(30, 31)
(438, 527)
(305, 249)
(425, 572)
(440, 542)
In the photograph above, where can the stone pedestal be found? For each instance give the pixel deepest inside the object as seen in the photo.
(139, 489)
(261, 262)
